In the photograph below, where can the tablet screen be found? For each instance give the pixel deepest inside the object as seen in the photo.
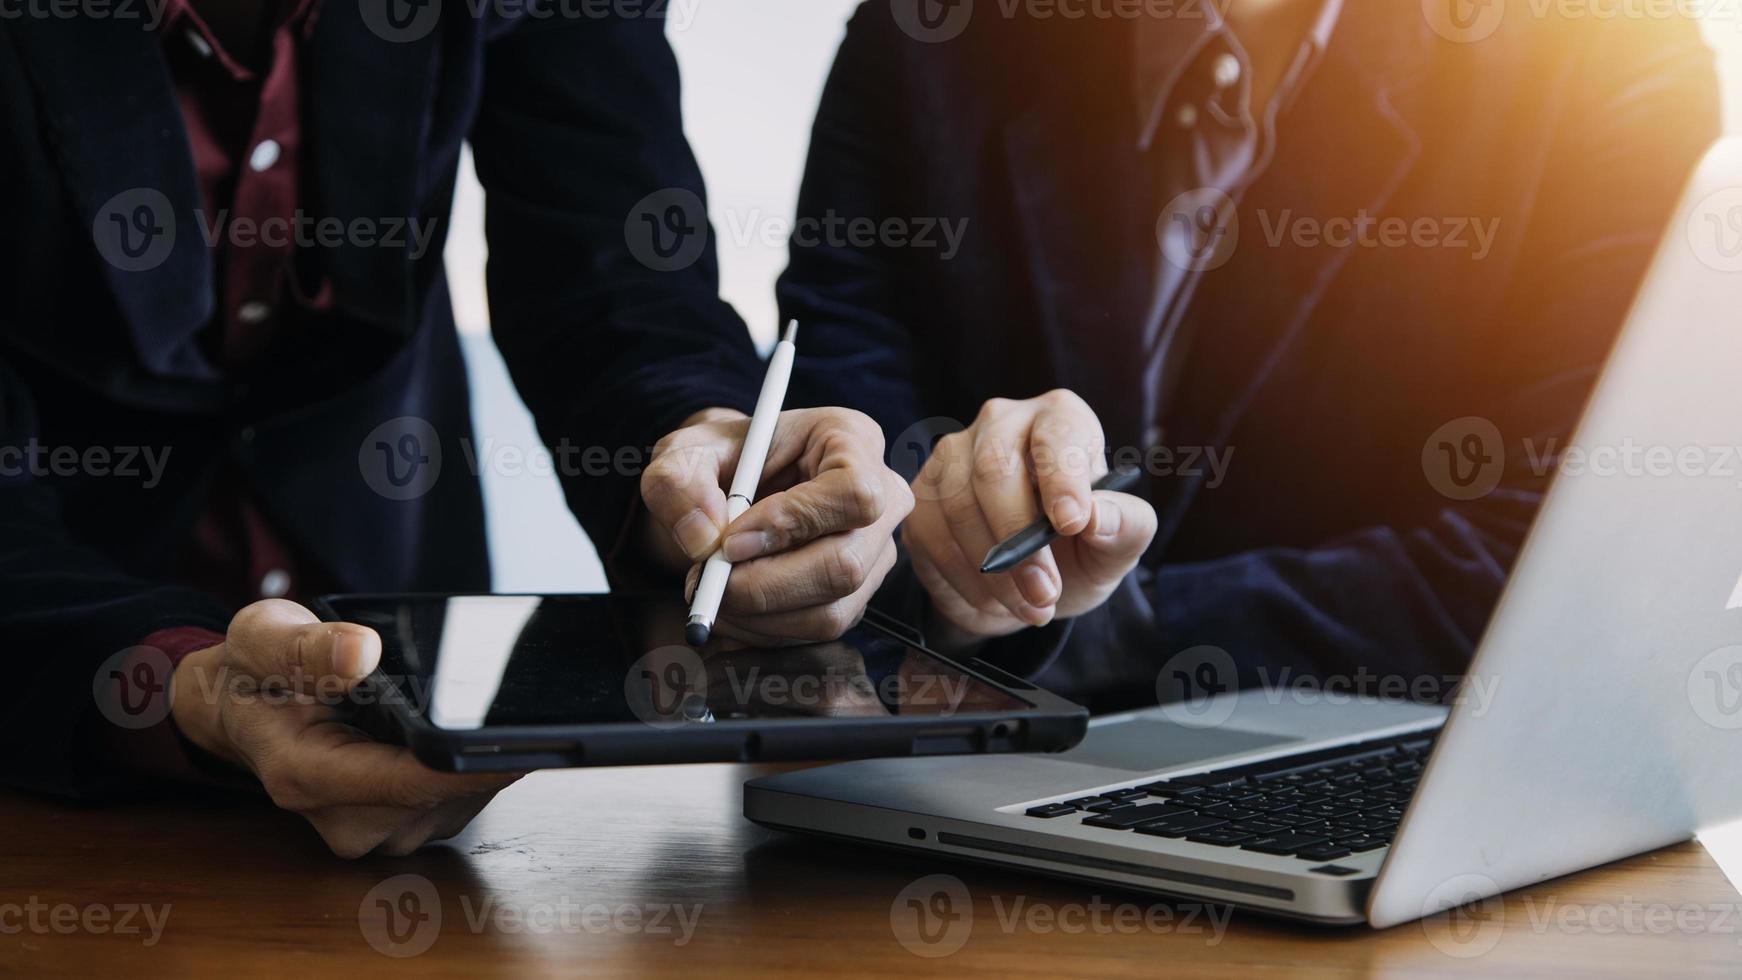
(471, 662)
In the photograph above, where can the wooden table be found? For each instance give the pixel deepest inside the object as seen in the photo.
(637, 872)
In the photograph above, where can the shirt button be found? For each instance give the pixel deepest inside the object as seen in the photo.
(1226, 70)
(252, 313)
(275, 584)
(264, 156)
(201, 46)
(1187, 116)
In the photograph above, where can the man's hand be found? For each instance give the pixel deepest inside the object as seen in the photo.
(811, 551)
(992, 479)
(267, 700)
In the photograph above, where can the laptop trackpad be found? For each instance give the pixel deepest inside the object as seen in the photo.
(1142, 745)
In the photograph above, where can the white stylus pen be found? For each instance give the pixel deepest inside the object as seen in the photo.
(712, 588)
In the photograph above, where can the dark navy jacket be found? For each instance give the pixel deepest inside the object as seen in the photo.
(1325, 372)
(573, 122)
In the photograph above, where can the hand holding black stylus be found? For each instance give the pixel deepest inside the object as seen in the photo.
(1026, 543)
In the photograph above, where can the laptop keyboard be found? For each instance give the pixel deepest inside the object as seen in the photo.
(1316, 806)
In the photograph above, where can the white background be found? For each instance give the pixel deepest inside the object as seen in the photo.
(752, 71)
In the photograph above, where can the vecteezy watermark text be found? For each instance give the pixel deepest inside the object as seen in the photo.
(402, 917)
(41, 918)
(934, 917)
(118, 462)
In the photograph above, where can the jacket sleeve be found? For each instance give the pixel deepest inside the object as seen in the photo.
(850, 297)
(602, 276)
(65, 611)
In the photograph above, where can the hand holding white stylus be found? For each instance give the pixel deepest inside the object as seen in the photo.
(712, 588)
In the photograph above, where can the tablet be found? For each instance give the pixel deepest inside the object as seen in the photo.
(509, 683)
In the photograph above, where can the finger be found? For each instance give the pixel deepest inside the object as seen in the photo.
(446, 821)
(819, 572)
(1038, 580)
(956, 539)
(1001, 480)
(681, 487)
(811, 440)
(929, 530)
(1120, 530)
(285, 645)
(952, 609)
(1066, 447)
(973, 537)
(332, 764)
(816, 623)
(847, 495)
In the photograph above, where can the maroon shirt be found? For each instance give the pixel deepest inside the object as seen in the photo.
(244, 128)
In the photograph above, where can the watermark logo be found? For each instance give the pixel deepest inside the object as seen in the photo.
(401, 459)
(131, 688)
(667, 687)
(400, 21)
(1714, 230)
(1465, 458)
(667, 231)
(401, 916)
(1464, 21)
(1199, 230)
(932, 21)
(1197, 687)
(909, 452)
(933, 917)
(1475, 916)
(135, 230)
(1715, 688)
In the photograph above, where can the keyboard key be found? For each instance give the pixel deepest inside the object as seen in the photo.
(1326, 811)
(1172, 790)
(1219, 836)
(1323, 852)
(1125, 794)
(1210, 780)
(1178, 826)
(1109, 806)
(1228, 811)
(1084, 802)
(1050, 810)
(1362, 844)
(1130, 816)
(1283, 843)
(1261, 827)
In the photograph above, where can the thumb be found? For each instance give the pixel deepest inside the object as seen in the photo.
(282, 643)
(1119, 530)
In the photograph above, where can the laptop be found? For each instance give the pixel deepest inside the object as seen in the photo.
(1609, 720)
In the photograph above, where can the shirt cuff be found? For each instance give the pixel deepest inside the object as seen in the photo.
(159, 752)
(179, 641)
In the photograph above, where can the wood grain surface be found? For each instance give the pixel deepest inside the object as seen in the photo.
(655, 872)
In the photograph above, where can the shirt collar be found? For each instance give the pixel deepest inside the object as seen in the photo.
(180, 18)
(1167, 46)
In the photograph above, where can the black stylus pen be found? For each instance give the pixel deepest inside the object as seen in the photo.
(1022, 545)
